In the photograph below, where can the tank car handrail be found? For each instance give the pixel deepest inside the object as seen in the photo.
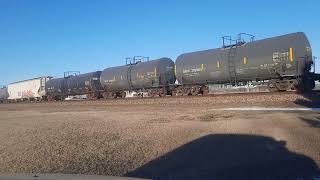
(240, 39)
(136, 59)
(227, 38)
(68, 74)
(236, 42)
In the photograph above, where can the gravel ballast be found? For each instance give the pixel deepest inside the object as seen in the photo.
(164, 138)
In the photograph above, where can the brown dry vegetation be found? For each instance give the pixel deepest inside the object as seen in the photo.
(159, 137)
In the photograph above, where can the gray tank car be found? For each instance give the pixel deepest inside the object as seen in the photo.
(88, 84)
(3, 94)
(284, 60)
(152, 76)
(55, 89)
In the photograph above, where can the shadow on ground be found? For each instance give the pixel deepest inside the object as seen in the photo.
(230, 157)
(315, 122)
(311, 100)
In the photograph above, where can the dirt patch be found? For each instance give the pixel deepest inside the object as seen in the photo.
(159, 120)
(185, 118)
(209, 117)
(120, 136)
(225, 115)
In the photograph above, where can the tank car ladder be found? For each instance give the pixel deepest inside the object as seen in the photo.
(131, 62)
(232, 65)
(233, 44)
(129, 77)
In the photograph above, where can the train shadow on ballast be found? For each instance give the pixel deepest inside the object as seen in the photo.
(311, 99)
(228, 156)
(312, 122)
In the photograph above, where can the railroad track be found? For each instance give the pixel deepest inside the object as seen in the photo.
(315, 92)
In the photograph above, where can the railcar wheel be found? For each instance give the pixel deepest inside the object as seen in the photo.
(96, 96)
(179, 93)
(294, 85)
(194, 91)
(204, 90)
(105, 95)
(44, 98)
(122, 94)
(151, 94)
(272, 87)
(109, 95)
(173, 93)
(187, 92)
(162, 93)
(113, 95)
(50, 98)
(90, 96)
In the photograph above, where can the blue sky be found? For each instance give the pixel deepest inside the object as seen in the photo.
(48, 37)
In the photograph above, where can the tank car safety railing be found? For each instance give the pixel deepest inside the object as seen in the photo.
(136, 59)
(242, 38)
(71, 73)
(245, 37)
(232, 44)
(227, 41)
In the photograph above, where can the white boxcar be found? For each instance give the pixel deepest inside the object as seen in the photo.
(28, 89)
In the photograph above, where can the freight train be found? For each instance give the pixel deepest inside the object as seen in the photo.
(282, 62)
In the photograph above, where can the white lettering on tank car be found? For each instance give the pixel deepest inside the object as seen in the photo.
(215, 73)
(280, 56)
(109, 81)
(186, 71)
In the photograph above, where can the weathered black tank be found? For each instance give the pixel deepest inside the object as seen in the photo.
(74, 85)
(149, 74)
(55, 87)
(3, 94)
(83, 83)
(282, 56)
